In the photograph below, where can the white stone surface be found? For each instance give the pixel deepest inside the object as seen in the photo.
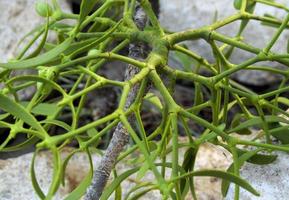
(180, 15)
(18, 17)
(15, 179)
(271, 181)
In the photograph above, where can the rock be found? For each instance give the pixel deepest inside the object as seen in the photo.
(18, 17)
(186, 14)
(17, 170)
(271, 181)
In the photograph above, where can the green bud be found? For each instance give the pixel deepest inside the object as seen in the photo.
(43, 9)
(49, 73)
(238, 4)
(93, 52)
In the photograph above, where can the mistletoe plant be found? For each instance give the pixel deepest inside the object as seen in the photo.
(98, 36)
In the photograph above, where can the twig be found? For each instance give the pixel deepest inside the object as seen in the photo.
(120, 136)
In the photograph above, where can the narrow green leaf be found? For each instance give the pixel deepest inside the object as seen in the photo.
(221, 174)
(237, 120)
(34, 179)
(29, 142)
(56, 173)
(199, 98)
(137, 187)
(78, 192)
(95, 42)
(209, 136)
(39, 60)
(38, 79)
(259, 159)
(117, 193)
(46, 109)
(64, 165)
(139, 194)
(283, 100)
(116, 182)
(153, 99)
(241, 160)
(281, 133)
(3, 116)
(43, 9)
(17, 110)
(57, 123)
(287, 46)
(237, 4)
(188, 165)
(258, 121)
(85, 8)
(92, 132)
(42, 43)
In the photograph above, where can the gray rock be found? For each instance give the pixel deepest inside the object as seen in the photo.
(16, 181)
(18, 17)
(271, 181)
(17, 170)
(186, 14)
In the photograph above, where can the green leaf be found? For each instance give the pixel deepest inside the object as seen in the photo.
(38, 79)
(46, 109)
(138, 195)
(186, 61)
(258, 121)
(237, 4)
(137, 187)
(221, 174)
(57, 123)
(270, 16)
(237, 120)
(95, 42)
(188, 165)
(258, 159)
(3, 116)
(42, 43)
(153, 99)
(116, 182)
(271, 24)
(64, 165)
(85, 8)
(209, 136)
(92, 132)
(283, 100)
(287, 46)
(117, 193)
(281, 133)
(43, 9)
(250, 7)
(29, 142)
(241, 160)
(78, 192)
(39, 60)
(17, 110)
(199, 98)
(34, 179)
(56, 178)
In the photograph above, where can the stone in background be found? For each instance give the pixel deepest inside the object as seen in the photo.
(271, 181)
(18, 17)
(16, 182)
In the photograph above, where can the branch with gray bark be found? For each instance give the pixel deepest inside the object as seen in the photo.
(120, 136)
